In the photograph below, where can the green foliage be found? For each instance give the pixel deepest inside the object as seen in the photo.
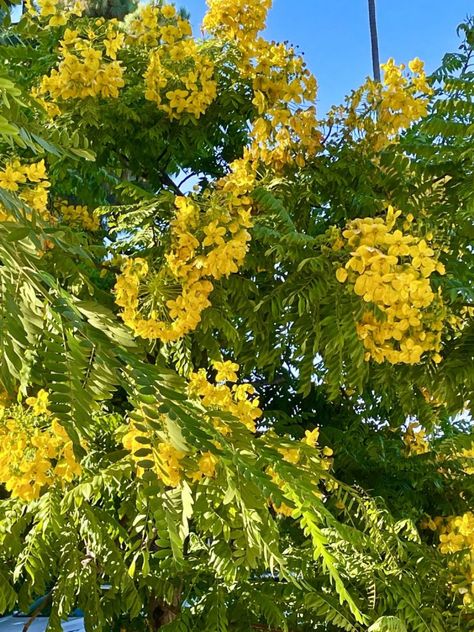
(388, 624)
(350, 552)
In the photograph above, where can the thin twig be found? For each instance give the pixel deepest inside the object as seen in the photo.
(186, 179)
(37, 611)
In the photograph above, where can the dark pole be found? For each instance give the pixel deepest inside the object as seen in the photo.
(374, 40)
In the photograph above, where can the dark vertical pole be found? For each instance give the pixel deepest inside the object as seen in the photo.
(374, 41)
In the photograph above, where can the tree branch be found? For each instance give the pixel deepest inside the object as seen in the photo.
(37, 611)
(186, 179)
(167, 181)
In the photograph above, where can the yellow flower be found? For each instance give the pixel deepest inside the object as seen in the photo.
(70, 37)
(47, 7)
(36, 171)
(226, 371)
(292, 455)
(168, 11)
(168, 464)
(33, 458)
(40, 403)
(416, 65)
(79, 216)
(283, 509)
(207, 464)
(77, 8)
(392, 271)
(341, 275)
(113, 43)
(410, 351)
(57, 20)
(311, 437)
(10, 177)
(214, 234)
(260, 102)
(235, 401)
(415, 439)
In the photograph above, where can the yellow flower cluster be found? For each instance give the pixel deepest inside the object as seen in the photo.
(30, 183)
(169, 464)
(179, 77)
(205, 244)
(391, 271)
(39, 403)
(165, 457)
(415, 439)
(183, 311)
(226, 395)
(83, 71)
(296, 456)
(207, 463)
(114, 40)
(189, 73)
(457, 534)
(51, 109)
(390, 106)
(239, 20)
(34, 456)
(143, 25)
(285, 131)
(55, 11)
(172, 465)
(152, 25)
(78, 216)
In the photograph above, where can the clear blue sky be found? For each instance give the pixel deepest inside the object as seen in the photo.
(334, 35)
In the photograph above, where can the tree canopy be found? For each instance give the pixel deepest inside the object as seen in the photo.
(236, 336)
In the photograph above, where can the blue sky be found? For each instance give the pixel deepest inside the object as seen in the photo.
(334, 35)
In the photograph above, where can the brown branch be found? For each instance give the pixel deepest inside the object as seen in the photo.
(37, 611)
(186, 179)
(167, 181)
(160, 612)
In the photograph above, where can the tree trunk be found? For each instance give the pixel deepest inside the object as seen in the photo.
(374, 40)
(160, 613)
